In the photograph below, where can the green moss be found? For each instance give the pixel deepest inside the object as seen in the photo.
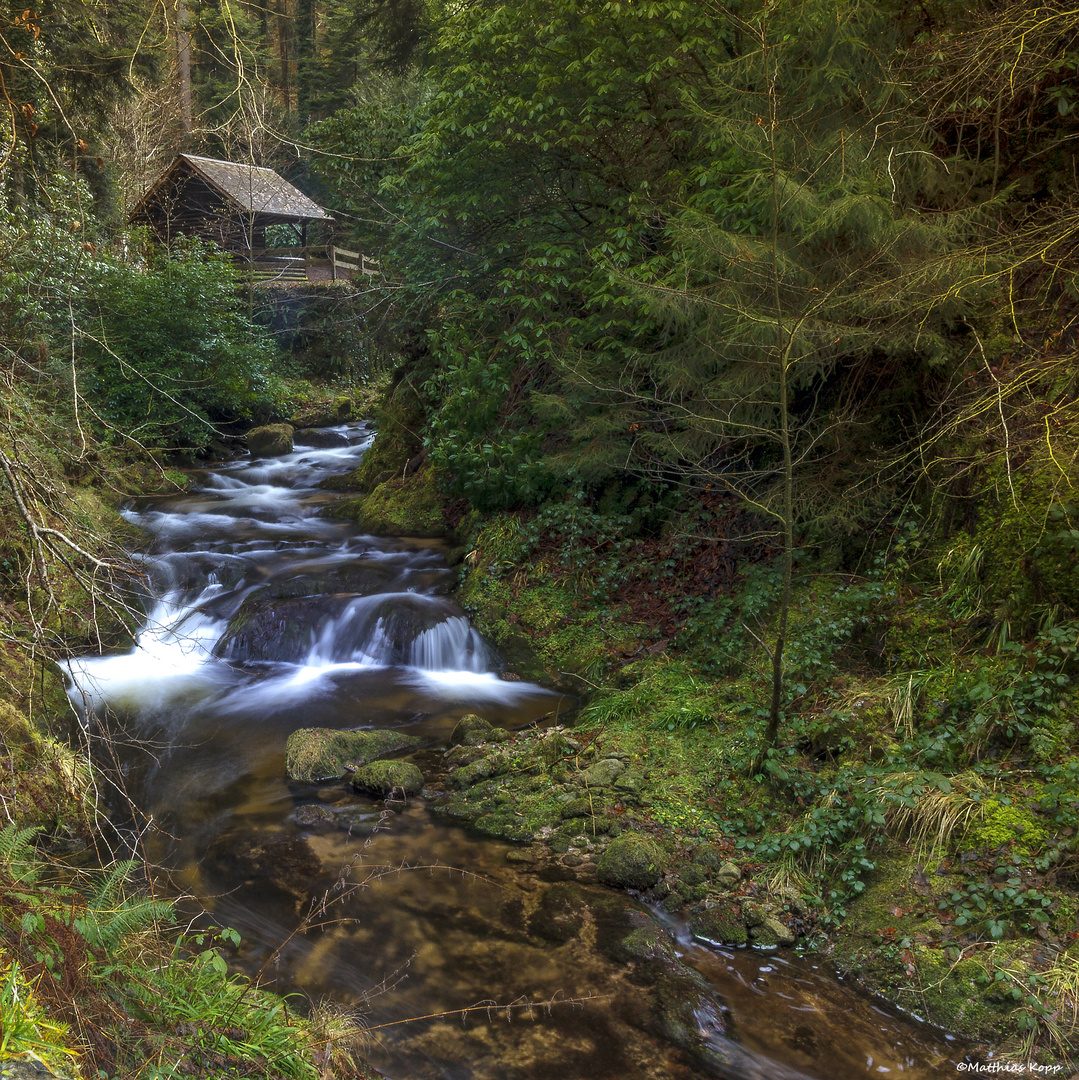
(631, 861)
(399, 421)
(408, 506)
(386, 778)
(313, 754)
(1001, 824)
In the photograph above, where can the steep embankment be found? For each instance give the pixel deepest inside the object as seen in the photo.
(917, 819)
(96, 977)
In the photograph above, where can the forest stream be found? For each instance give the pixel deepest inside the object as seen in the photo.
(268, 615)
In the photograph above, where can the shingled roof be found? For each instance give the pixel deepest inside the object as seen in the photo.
(254, 190)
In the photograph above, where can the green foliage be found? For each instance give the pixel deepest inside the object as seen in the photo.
(191, 1011)
(170, 354)
(26, 1029)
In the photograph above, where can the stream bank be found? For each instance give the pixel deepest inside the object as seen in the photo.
(280, 640)
(948, 890)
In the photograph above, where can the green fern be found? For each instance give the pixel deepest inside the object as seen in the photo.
(112, 916)
(18, 858)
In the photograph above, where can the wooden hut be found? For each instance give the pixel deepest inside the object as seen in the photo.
(231, 205)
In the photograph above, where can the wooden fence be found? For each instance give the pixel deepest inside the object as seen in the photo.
(345, 264)
(321, 263)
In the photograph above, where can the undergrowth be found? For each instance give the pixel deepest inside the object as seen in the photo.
(97, 980)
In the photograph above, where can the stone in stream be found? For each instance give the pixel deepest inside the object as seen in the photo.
(389, 778)
(631, 861)
(319, 438)
(473, 730)
(720, 924)
(271, 440)
(314, 754)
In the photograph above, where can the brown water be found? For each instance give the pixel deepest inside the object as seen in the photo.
(516, 975)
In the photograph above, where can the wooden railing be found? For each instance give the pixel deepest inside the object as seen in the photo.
(295, 263)
(345, 263)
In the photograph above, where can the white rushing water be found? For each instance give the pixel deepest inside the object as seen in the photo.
(259, 592)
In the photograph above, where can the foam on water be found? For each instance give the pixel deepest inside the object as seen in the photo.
(250, 528)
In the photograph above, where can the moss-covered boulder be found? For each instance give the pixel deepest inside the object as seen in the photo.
(401, 506)
(314, 754)
(270, 440)
(772, 932)
(631, 861)
(720, 924)
(473, 730)
(603, 773)
(385, 778)
(467, 775)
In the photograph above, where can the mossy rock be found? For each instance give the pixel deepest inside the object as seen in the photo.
(401, 506)
(473, 730)
(720, 925)
(270, 440)
(603, 773)
(631, 861)
(314, 754)
(467, 775)
(504, 826)
(385, 778)
(772, 932)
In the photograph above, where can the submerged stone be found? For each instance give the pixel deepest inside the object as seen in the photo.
(314, 754)
(387, 778)
(271, 440)
(558, 918)
(631, 861)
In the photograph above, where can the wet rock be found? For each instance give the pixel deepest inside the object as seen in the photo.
(311, 815)
(603, 774)
(463, 755)
(632, 861)
(772, 932)
(720, 924)
(271, 440)
(314, 754)
(356, 821)
(285, 864)
(387, 778)
(473, 730)
(560, 913)
(319, 438)
(516, 855)
(647, 942)
(690, 1014)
